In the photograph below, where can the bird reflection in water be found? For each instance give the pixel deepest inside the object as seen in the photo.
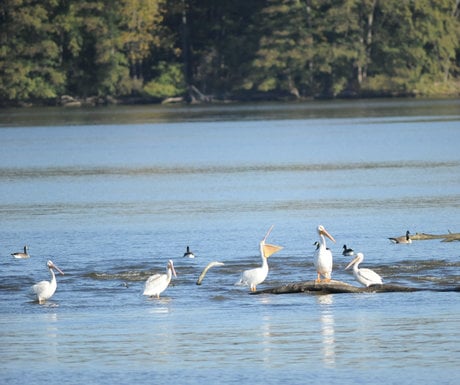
(327, 329)
(267, 339)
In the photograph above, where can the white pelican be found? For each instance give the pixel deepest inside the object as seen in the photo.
(323, 256)
(347, 252)
(188, 253)
(364, 276)
(44, 289)
(20, 255)
(255, 276)
(402, 239)
(157, 283)
(203, 273)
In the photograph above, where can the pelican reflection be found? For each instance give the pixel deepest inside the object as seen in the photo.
(327, 329)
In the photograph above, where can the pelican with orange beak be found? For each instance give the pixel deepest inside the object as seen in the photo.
(157, 283)
(44, 289)
(366, 277)
(323, 256)
(253, 277)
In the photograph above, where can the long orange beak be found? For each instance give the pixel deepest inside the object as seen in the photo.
(324, 232)
(270, 249)
(57, 268)
(173, 270)
(352, 263)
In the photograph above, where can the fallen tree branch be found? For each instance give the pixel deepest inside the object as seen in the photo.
(449, 237)
(334, 287)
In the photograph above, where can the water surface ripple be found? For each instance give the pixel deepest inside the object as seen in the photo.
(111, 194)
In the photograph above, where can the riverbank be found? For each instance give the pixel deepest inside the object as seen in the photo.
(194, 96)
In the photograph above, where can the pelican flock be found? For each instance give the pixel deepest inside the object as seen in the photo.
(44, 290)
(157, 283)
(366, 277)
(21, 255)
(323, 256)
(253, 277)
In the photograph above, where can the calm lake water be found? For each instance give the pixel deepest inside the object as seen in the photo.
(110, 194)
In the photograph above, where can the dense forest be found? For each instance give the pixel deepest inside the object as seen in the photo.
(103, 51)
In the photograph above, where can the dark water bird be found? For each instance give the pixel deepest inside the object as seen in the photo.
(44, 289)
(157, 283)
(21, 255)
(317, 244)
(402, 239)
(188, 253)
(347, 252)
(323, 256)
(364, 276)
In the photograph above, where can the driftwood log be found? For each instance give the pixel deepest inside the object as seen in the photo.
(334, 287)
(449, 237)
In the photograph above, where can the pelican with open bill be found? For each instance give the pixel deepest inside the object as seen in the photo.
(253, 277)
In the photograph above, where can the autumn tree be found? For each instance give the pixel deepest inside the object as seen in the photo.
(242, 49)
(139, 25)
(30, 66)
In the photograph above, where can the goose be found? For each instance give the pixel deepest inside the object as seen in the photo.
(402, 239)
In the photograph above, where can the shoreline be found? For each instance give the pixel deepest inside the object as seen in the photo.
(68, 101)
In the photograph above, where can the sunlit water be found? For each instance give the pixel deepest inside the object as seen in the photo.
(111, 194)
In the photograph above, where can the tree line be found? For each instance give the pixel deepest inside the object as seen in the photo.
(213, 50)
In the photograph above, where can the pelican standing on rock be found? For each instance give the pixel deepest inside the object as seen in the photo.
(44, 289)
(20, 255)
(323, 256)
(366, 277)
(157, 283)
(253, 277)
(402, 239)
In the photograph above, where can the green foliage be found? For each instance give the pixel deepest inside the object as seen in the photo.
(170, 82)
(29, 57)
(162, 47)
(285, 46)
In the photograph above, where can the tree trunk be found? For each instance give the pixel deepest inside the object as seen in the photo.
(449, 237)
(368, 42)
(186, 46)
(335, 287)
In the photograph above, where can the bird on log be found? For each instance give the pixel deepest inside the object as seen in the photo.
(323, 256)
(366, 277)
(255, 276)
